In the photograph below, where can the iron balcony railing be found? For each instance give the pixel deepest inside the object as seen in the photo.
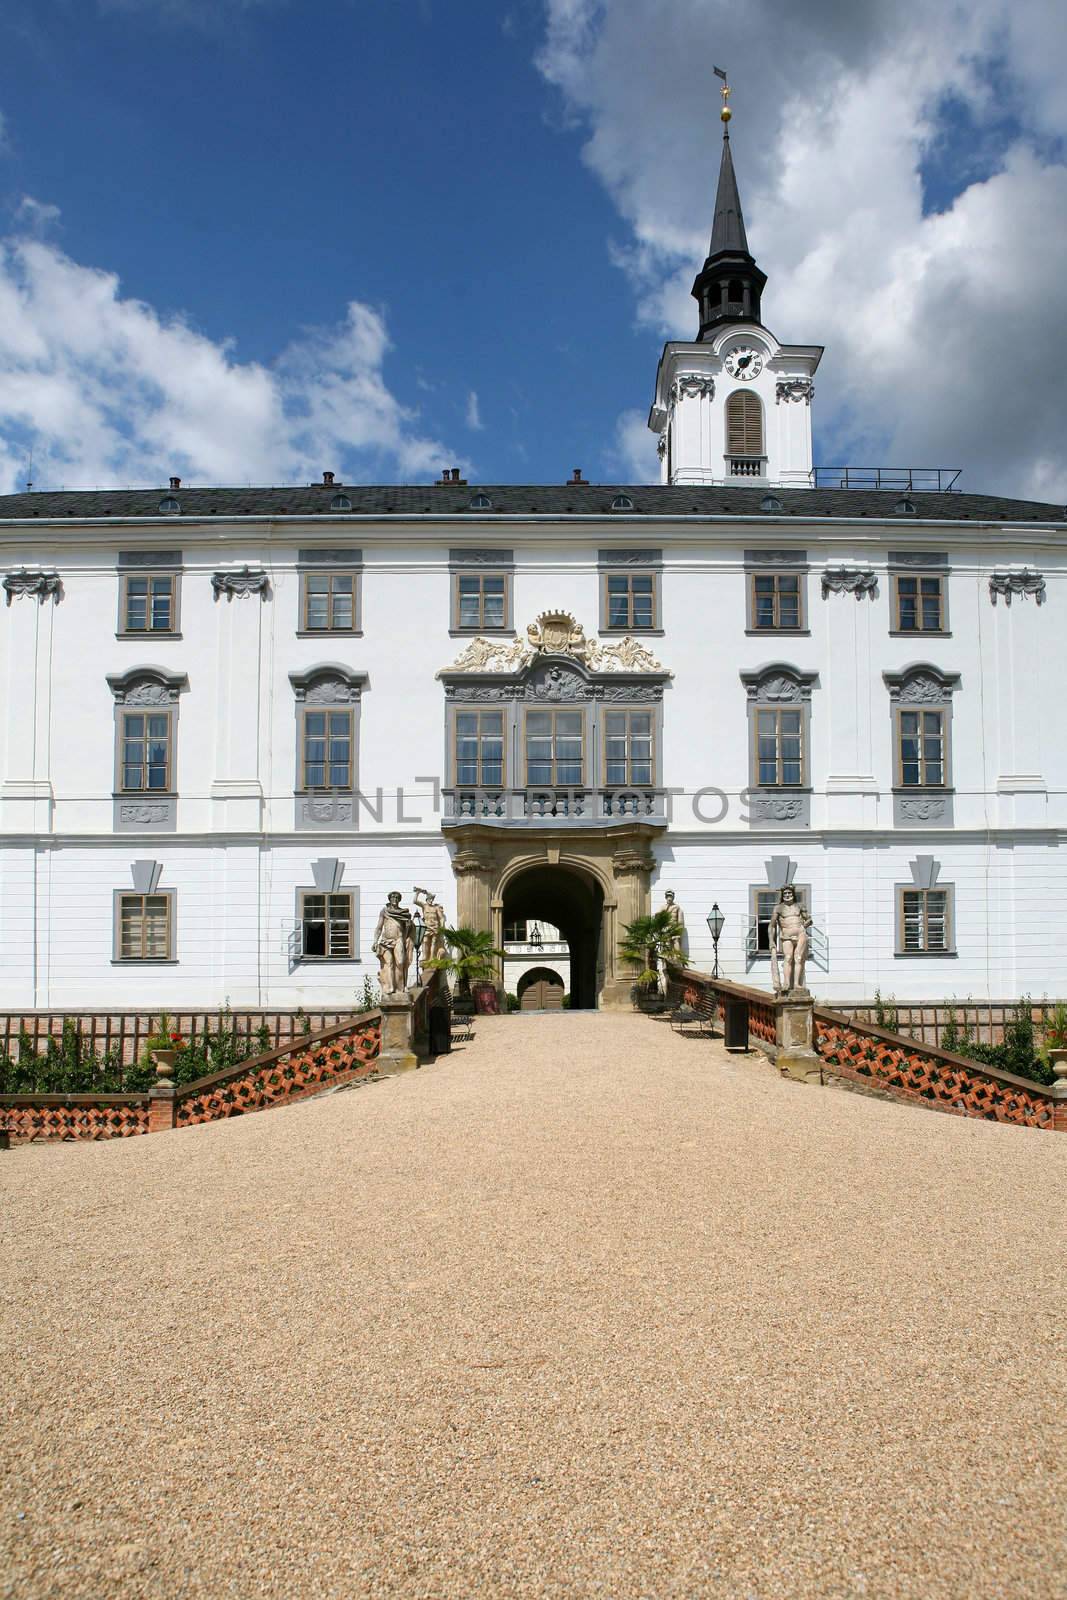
(539, 806)
(932, 480)
(755, 947)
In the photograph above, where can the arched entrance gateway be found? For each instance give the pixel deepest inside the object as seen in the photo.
(554, 799)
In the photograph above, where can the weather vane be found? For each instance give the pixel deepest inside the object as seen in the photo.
(725, 113)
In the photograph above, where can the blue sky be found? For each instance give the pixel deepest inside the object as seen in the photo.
(251, 239)
(257, 177)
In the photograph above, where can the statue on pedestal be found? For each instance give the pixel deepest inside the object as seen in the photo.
(433, 920)
(677, 917)
(788, 935)
(393, 945)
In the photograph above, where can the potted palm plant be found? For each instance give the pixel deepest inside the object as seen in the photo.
(648, 943)
(470, 962)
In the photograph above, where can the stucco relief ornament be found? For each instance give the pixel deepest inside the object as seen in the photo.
(492, 655)
(628, 655)
(555, 633)
(1024, 583)
(692, 386)
(849, 580)
(241, 582)
(777, 808)
(794, 389)
(661, 444)
(923, 810)
(39, 586)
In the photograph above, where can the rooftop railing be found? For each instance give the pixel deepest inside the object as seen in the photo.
(932, 480)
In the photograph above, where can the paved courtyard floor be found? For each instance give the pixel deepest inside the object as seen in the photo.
(582, 1310)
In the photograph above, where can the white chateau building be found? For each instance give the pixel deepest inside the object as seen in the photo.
(233, 719)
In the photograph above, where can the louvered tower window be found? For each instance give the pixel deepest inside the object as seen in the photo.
(744, 424)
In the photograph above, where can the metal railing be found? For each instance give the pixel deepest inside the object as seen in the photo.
(932, 480)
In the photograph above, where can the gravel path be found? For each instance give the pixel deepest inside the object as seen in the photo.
(582, 1310)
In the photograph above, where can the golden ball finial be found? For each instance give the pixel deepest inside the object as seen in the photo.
(725, 114)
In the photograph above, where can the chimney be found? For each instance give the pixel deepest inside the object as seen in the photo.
(450, 475)
(175, 483)
(577, 477)
(327, 478)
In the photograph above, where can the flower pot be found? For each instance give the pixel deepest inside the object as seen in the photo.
(1058, 1062)
(164, 1060)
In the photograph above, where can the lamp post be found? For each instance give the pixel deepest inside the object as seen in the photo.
(418, 933)
(715, 923)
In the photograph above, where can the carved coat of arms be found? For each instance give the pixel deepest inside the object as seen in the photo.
(555, 633)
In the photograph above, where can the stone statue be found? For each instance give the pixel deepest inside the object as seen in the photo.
(678, 919)
(393, 944)
(788, 935)
(433, 920)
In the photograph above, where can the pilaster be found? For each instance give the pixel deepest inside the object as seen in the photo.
(237, 790)
(26, 794)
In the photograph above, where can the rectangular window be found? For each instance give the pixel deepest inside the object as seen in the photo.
(628, 748)
(327, 756)
(555, 748)
(779, 748)
(924, 920)
(145, 751)
(776, 601)
(144, 927)
(922, 749)
(329, 602)
(480, 748)
(920, 604)
(148, 604)
(630, 601)
(326, 926)
(481, 601)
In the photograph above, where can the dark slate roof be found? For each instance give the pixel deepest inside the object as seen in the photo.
(414, 500)
(728, 228)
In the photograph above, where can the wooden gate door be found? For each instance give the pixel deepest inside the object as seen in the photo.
(543, 994)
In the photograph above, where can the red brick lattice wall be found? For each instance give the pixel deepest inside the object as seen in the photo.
(282, 1076)
(910, 1071)
(26, 1118)
(335, 1056)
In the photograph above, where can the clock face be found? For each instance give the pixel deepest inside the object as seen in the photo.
(744, 362)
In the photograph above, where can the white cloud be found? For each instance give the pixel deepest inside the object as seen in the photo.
(36, 216)
(474, 415)
(104, 389)
(633, 457)
(937, 326)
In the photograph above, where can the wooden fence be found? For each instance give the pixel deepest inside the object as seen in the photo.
(126, 1032)
(926, 1020)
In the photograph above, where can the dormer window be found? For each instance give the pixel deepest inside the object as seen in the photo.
(480, 501)
(904, 508)
(622, 502)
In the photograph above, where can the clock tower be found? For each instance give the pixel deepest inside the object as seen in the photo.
(733, 406)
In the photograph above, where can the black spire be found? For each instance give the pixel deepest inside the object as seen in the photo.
(728, 228)
(729, 285)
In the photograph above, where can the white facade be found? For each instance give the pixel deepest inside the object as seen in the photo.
(233, 720)
(234, 856)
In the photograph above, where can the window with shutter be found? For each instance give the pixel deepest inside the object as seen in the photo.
(744, 424)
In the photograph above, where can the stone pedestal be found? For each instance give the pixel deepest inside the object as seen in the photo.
(398, 1016)
(796, 1037)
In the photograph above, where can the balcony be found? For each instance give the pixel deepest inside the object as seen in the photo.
(565, 808)
(746, 466)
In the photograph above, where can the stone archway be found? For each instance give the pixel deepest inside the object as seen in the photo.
(610, 867)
